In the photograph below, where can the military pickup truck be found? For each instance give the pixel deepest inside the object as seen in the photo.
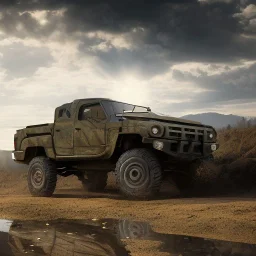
(91, 137)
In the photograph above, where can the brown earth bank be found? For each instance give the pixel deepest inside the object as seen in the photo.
(220, 205)
(236, 144)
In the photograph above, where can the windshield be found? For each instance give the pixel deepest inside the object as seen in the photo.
(120, 108)
(114, 108)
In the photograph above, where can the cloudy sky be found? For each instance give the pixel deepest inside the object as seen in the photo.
(177, 56)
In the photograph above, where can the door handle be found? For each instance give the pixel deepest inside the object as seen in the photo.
(78, 129)
(57, 130)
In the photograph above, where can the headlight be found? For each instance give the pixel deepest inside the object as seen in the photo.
(213, 147)
(211, 135)
(155, 130)
(158, 144)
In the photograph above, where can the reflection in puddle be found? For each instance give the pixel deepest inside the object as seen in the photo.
(103, 238)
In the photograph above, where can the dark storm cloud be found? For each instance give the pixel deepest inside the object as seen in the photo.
(185, 30)
(170, 32)
(146, 61)
(234, 85)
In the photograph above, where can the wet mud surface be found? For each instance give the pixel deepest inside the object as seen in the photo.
(105, 237)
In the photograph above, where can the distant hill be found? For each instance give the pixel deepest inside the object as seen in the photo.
(215, 119)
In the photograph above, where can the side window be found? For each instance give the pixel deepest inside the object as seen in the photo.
(64, 113)
(60, 113)
(94, 112)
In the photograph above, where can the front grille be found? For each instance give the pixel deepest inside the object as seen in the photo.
(175, 134)
(189, 133)
(186, 147)
(187, 139)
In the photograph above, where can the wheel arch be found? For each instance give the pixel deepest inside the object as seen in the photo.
(32, 152)
(38, 146)
(125, 142)
(129, 140)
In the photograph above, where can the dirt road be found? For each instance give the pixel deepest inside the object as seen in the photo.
(226, 218)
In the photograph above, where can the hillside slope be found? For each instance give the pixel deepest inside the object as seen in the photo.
(236, 144)
(234, 168)
(214, 119)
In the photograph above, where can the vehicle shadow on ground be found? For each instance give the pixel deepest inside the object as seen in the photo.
(112, 192)
(80, 193)
(225, 187)
(164, 194)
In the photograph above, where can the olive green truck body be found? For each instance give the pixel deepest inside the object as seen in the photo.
(92, 134)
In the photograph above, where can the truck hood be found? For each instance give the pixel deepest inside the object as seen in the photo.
(153, 116)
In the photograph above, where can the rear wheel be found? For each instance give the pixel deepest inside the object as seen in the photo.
(42, 177)
(138, 173)
(95, 182)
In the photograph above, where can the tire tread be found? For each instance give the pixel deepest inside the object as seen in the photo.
(155, 172)
(51, 177)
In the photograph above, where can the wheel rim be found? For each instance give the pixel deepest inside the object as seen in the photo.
(37, 178)
(135, 173)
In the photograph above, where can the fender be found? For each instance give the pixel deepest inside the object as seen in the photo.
(44, 141)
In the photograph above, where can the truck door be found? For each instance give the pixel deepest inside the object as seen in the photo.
(89, 133)
(64, 132)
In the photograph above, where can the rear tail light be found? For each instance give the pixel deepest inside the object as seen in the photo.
(15, 143)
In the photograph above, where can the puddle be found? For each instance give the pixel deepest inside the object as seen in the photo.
(105, 237)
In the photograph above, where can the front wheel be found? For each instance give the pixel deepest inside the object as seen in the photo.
(42, 177)
(138, 173)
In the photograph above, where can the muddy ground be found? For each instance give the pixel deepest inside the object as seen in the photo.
(212, 213)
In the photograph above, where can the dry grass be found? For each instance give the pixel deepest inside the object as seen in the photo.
(236, 144)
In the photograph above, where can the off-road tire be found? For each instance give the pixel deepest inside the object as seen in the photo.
(96, 182)
(138, 174)
(45, 168)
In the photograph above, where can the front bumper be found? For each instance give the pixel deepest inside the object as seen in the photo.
(187, 149)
